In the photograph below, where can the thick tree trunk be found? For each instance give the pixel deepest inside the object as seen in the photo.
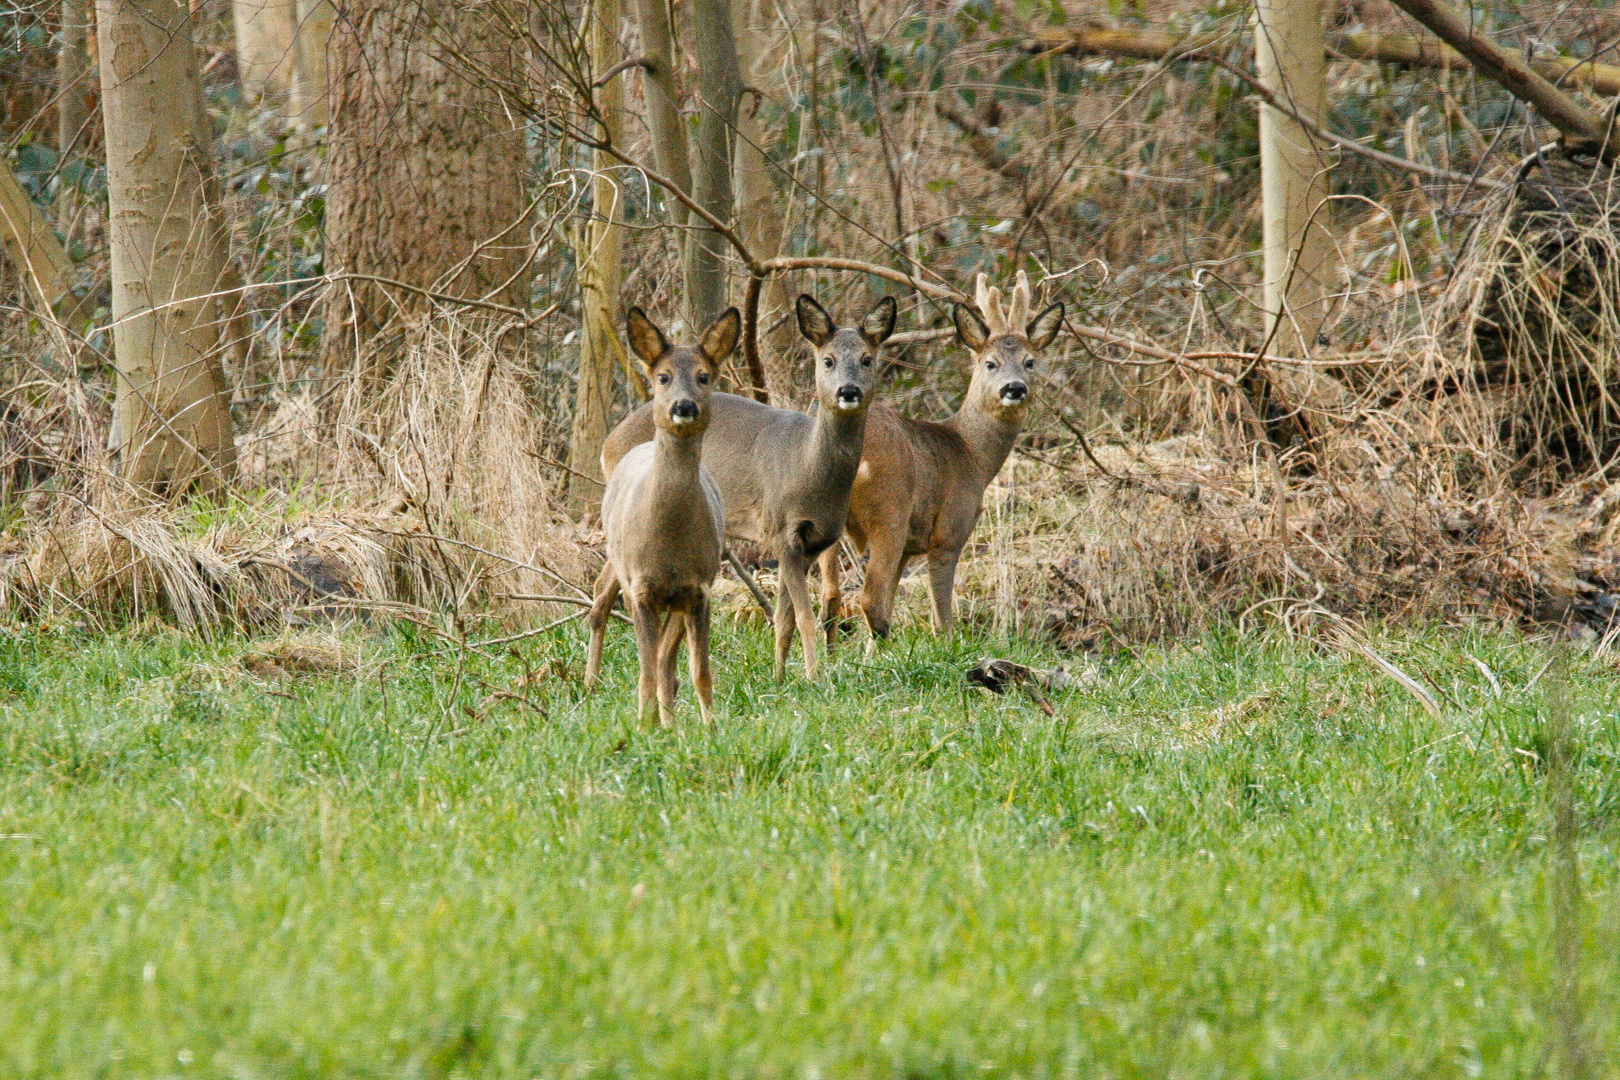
(760, 214)
(1299, 265)
(306, 99)
(424, 169)
(599, 271)
(264, 45)
(171, 419)
(719, 87)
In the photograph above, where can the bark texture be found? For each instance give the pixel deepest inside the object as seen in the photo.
(424, 168)
(72, 65)
(661, 88)
(1293, 175)
(600, 271)
(171, 420)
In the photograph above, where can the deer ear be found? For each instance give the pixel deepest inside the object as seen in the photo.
(814, 322)
(1045, 326)
(721, 336)
(879, 322)
(970, 329)
(646, 340)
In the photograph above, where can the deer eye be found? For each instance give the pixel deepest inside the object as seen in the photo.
(703, 378)
(866, 361)
(663, 378)
(828, 363)
(989, 365)
(1029, 365)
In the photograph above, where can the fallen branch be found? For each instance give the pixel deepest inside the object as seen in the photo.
(1404, 50)
(752, 586)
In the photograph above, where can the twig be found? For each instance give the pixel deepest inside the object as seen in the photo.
(753, 587)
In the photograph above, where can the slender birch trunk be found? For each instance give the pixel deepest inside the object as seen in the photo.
(1299, 256)
(599, 270)
(72, 64)
(661, 88)
(171, 420)
(760, 208)
(719, 87)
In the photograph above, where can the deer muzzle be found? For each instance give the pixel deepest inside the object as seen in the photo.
(849, 396)
(683, 412)
(1014, 393)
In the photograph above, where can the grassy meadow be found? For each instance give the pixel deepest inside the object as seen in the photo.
(1244, 856)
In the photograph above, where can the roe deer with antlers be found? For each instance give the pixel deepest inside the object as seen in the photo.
(664, 518)
(920, 484)
(786, 476)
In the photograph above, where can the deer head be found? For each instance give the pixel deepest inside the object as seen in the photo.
(1006, 345)
(682, 376)
(845, 359)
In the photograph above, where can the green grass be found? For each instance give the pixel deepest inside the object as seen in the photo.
(1243, 857)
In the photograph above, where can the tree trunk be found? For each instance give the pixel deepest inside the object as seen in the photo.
(171, 421)
(264, 45)
(719, 87)
(662, 91)
(30, 245)
(1299, 271)
(424, 170)
(599, 271)
(72, 64)
(306, 99)
(760, 211)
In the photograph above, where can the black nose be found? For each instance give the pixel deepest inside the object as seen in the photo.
(849, 392)
(684, 409)
(1015, 391)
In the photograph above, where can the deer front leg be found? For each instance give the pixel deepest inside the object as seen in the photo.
(606, 591)
(941, 580)
(645, 620)
(832, 599)
(794, 572)
(669, 648)
(697, 657)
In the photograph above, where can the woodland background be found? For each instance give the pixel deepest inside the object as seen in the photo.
(417, 225)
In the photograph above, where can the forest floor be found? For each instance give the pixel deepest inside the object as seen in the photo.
(378, 856)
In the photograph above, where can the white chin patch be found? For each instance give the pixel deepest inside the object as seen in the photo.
(1010, 401)
(848, 406)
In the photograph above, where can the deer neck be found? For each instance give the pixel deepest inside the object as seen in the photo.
(676, 463)
(989, 439)
(834, 452)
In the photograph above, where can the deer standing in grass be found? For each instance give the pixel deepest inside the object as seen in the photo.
(920, 484)
(664, 518)
(786, 476)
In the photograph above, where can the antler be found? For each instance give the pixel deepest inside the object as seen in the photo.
(1013, 318)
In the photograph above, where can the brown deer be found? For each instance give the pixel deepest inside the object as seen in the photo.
(664, 518)
(786, 476)
(920, 483)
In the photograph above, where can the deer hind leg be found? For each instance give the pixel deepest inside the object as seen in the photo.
(606, 591)
(941, 581)
(645, 620)
(832, 599)
(795, 582)
(885, 558)
(697, 658)
(783, 622)
(669, 650)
